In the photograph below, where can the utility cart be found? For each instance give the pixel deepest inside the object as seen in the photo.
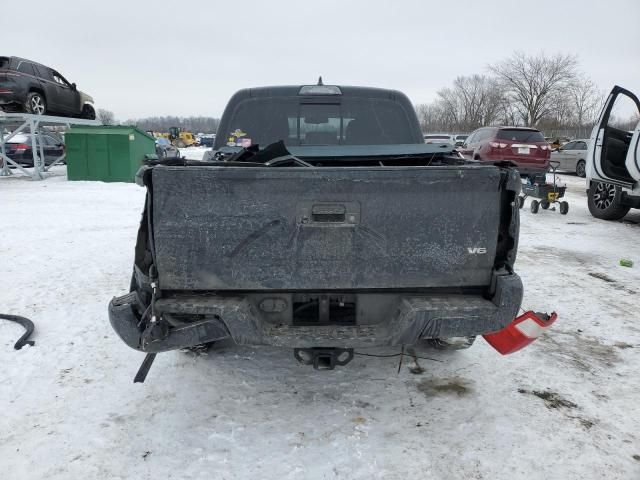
(547, 193)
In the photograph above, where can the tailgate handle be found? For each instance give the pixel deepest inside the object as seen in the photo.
(328, 213)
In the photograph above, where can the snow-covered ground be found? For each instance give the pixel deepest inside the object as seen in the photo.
(193, 153)
(567, 407)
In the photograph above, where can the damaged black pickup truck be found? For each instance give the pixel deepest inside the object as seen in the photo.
(321, 222)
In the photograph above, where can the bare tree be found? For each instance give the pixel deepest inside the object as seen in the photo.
(432, 117)
(449, 108)
(479, 98)
(547, 92)
(586, 100)
(471, 102)
(563, 109)
(533, 83)
(105, 117)
(426, 117)
(508, 114)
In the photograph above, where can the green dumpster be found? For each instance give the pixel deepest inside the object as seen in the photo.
(106, 153)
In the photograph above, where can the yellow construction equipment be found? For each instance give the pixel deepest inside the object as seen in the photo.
(178, 137)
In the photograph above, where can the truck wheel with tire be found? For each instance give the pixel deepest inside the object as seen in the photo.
(450, 343)
(581, 169)
(35, 104)
(602, 199)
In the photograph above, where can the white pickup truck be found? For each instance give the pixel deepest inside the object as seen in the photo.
(613, 159)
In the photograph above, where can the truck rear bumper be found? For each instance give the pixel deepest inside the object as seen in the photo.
(417, 317)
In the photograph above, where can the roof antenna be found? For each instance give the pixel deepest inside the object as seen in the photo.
(320, 80)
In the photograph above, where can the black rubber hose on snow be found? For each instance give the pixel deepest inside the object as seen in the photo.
(28, 326)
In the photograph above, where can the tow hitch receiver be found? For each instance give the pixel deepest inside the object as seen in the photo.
(323, 358)
(521, 332)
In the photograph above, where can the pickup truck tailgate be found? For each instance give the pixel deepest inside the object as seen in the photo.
(275, 228)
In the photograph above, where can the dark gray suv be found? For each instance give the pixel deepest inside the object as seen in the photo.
(31, 87)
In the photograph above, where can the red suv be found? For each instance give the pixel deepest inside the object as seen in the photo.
(525, 147)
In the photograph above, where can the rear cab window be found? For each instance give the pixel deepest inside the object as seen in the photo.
(299, 120)
(520, 135)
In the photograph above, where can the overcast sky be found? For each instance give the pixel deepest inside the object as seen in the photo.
(141, 58)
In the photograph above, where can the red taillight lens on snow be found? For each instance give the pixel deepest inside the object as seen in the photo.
(497, 145)
(521, 332)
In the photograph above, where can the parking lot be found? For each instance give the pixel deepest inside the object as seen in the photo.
(566, 407)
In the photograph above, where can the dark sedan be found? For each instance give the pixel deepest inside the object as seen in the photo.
(19, 149)
(165, 150)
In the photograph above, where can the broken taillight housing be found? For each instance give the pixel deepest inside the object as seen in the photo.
(520, 332)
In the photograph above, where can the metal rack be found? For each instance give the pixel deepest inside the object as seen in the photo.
(24, 123)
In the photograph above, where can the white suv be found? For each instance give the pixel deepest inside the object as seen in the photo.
(613, 158)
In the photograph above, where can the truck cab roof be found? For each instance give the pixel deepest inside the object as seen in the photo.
(317, 90)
